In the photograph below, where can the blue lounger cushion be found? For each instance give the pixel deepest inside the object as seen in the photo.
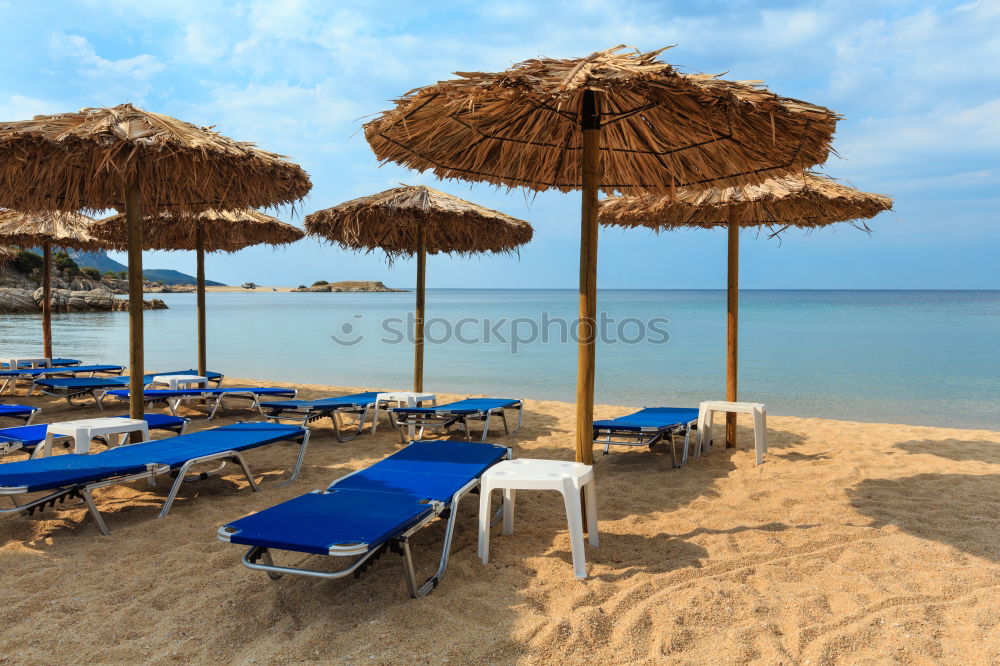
(467, 406)
(41, 372)
(28, 436)
(353, 400)
(75, 469)
(83, 383)
(372, 505)
(314, 522)
(159, 421)
(650, 418)
(17, 411)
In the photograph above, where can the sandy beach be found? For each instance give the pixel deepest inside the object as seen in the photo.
(853, 543)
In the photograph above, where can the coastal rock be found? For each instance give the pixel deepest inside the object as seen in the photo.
(351, 286)
(16, 301)
(121, 304)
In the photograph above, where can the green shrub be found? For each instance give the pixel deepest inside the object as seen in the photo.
(320, 283)
(65, 263)
(110, 274)
(91, 272)
(25, 262)
(302, 286)
(122, 275)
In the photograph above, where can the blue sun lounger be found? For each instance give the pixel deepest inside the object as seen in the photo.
(77, 475)
(23, 412)
(370, 511)
(307, 411)
(648, 426)
(443, 417)
(73, 387)
(215, 397)
(55, 363)
(11, 377)
(27, 438)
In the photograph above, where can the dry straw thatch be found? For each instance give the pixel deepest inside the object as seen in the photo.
(60, 229)
(808, 200)
(391, 220)
(221, 231)
(82, 161)
(661, 129)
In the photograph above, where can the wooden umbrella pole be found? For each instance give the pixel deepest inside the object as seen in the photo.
(732, 321)
(200, 274)
(418, 324)
(590, 164)
(135, 355)
(47, 299)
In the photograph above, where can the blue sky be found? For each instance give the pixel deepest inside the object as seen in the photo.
(917, 82)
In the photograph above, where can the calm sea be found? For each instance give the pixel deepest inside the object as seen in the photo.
(917, 357)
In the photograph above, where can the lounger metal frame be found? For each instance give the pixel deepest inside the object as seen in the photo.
(306, 416)
(259, 557)
(443, 420)
(84, 491)
(646, 437)
(214, 399)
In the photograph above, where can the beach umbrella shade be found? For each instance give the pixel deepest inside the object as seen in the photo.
(126, 158)
(209, 231)
(617, 121)
(806, 201)
(45, 230)
(416, 220)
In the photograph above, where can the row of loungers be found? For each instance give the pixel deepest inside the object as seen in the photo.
(73, 475)
(359, 516)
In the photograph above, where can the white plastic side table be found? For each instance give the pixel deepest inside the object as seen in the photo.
(565, 477)
(84, 430)
(401, 399)
(176, 382)
(756, 409)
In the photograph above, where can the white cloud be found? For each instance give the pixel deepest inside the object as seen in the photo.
(140, 67)
(20, 107)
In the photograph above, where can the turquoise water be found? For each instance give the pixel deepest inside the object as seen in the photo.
(918, 357)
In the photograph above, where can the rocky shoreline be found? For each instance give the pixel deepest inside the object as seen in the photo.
(22, 294)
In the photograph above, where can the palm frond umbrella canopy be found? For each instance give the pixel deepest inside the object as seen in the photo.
(415, 221)
(45, 230)
(126, 158)
(805, 201)
(209, 231)
(617, 121)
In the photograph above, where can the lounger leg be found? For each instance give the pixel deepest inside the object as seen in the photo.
(673, 450)
(298, 462)
(486, 428)
(520, 416)
(335, 419)
(265, 556)
(246, 469)
(375, 419)
(503, 415)
(98, 518)
(98, 398)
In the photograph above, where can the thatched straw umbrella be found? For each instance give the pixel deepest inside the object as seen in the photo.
(46, 229)
(805, 201)
(612, 121)
(126, 158)
(414, 220)
(210, 231)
